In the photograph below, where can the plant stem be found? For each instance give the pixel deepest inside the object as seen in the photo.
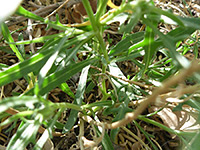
(101, 9)
(67, 105)
(96, 29)
(176, 132)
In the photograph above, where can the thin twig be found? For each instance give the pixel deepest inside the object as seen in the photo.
(123, 79)
(69, 3)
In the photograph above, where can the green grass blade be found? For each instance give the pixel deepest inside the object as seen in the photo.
(16, 117)
(23, 12)
(78, 100)
(191, 22)
(168, 14)
(17, 101)
(47, 133)
(25, 135)
(42, 39)
(48, 65)
(8, 37)
(124, 44)
(100, 103)
(61, 76)
(23, 68)
(149, 50)
(65, 88)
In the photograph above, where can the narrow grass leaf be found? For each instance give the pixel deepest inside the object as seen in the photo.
(65, 88)
(169, 42)
(8, 37)
(42, 39)
(63, 75)
(78, 99)
(149, 49)
(168, 14)
(23, 12)
(48, 132)
(17, 101)
(23, 68)
(131, 56)
(25, 135)
(16, 117)
(100, 103)
(45, 69)
(124, 44)
(191, 22)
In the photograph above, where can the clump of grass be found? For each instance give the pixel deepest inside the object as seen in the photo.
(122, 98)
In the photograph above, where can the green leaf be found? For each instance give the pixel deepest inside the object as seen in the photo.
(65, 88)
(193, 23)
(63, 75)
(168, 14)
(48, 132)
(23, 12)
(47, 66)
(134, 18)
(23, 68)
(8, 37)
(100, 103)
(124, 44)
(78, 100)
(149, 49)
(17, 101)
(16, 117)
(25, 135)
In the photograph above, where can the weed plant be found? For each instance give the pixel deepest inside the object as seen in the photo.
(59, 59)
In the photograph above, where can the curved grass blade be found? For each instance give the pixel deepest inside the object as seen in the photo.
(16, 117)
(47, 133)
(25, 135)
(23, 68)
(48, 65)
(78, 100)
(8, 37)
(63, 75)
(17, 101)
(23, 12)
(124, 44)
(168, 14)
